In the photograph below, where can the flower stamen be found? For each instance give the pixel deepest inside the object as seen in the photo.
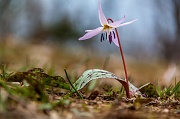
(107, 27)
(102, 37)
(110, 38)
(114, 34)
(106, 35)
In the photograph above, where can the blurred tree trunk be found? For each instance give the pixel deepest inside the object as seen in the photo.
(177, 22)
(34, 11)
(171, 46)
(5, 20)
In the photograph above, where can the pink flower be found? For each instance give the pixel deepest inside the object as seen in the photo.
(107, 29)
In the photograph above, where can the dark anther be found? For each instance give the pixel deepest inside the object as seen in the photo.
(102, 37)
(106, 36)
(114, 34)
(110, 38)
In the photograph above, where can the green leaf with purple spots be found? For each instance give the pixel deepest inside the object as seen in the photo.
(148, 90)
(39, 75)
(93, 74)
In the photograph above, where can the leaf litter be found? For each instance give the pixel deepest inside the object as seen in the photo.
(40, 95)
(21, 97)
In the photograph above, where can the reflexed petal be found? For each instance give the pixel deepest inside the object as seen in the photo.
(126, 23)
(115, 40)
(117, 23)
(92, 33)
(102, 17)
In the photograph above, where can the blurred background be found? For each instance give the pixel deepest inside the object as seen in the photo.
(34, 28)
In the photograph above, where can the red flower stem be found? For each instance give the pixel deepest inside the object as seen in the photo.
(123, 60)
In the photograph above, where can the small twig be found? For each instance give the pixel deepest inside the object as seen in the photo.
(72, 84)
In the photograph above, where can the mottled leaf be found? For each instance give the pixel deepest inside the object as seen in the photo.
(148, 90)
(93, 74)
(39, 75)
(36, 70)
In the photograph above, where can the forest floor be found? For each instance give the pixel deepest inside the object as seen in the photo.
(23, 99)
